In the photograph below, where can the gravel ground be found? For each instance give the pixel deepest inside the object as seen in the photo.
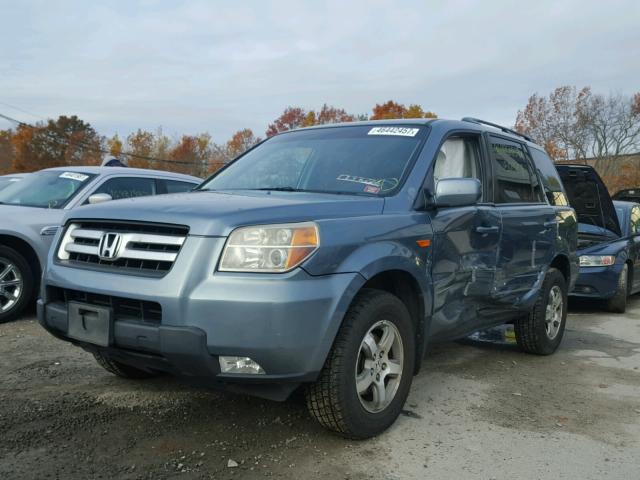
(476, 410)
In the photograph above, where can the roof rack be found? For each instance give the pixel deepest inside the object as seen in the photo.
(499, 127)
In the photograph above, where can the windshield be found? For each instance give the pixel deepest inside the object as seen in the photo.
(358, 160)
(6, 181)
(48, 189)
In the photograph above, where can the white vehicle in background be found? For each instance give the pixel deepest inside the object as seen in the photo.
(32, 207)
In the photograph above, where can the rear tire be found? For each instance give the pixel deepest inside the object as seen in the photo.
(368, 373)
(618, 303)
(540, 332)
(17, 284)
(121, 369)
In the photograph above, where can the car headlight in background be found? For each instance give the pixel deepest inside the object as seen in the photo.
(597, 260)
(269, 248)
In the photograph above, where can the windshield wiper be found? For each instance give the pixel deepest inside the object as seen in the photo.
(281, 189)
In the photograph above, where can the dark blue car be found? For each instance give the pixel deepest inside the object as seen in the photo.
(608, 239)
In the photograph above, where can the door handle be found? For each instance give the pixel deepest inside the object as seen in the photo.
(493, 229)
(549, 224)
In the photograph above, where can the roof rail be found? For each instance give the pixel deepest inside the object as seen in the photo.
(499, 127)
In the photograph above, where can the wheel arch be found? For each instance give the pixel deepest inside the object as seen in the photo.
(408, 289)
(25, 249)
(561, 263)
(630, 280)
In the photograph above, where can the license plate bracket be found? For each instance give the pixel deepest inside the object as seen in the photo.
(90, 323)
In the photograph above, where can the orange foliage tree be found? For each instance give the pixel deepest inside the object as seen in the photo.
(296, 117)
(140, 147)
(114, 144)
(65, 141)
(6, 151)
(390, 110)
(190, 155)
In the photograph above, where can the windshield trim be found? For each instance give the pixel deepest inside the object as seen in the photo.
(408, 168)
(84, 184)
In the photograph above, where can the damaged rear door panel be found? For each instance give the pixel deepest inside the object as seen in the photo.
(529, 224)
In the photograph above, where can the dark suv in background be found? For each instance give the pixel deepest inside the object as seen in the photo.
(327, 257)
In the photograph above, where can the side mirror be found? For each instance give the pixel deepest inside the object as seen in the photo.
(99, 198)
(457, 192)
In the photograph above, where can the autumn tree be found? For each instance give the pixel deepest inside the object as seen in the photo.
(161, 144)
(114, 144)
(6, 151)
(328, 114)
(390, 110)
(296, 117)
(240, 142)
(190, 155)
(578, 124)
(65, 141)
(140, 147)
(292, 117)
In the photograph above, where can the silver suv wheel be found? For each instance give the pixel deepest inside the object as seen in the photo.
(11, 285)
(554, 311)
(379, 366)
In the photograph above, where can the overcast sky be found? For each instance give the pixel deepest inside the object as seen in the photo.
(221, 66)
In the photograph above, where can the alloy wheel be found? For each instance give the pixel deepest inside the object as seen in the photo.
(11, 285)
(554, 311)
(379, 366)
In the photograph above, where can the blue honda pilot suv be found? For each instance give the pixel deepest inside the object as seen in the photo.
(328, 258)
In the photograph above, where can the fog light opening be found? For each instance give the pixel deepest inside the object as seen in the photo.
(240, 365)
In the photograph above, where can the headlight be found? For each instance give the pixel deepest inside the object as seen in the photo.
(269, 248)
(597, 260)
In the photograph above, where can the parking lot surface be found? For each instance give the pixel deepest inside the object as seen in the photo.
(476, 410)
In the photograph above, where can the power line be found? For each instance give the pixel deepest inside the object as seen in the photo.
(22, 110)
(93, 148)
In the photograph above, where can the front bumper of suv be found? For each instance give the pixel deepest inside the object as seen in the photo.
(285, 322)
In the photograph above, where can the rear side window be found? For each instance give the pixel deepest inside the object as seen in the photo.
(128, 187)
(515, 180)
(551, 182)
(176, 186)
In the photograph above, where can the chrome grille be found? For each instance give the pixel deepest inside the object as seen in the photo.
(145, 248)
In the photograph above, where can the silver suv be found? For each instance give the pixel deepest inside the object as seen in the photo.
(32, 209)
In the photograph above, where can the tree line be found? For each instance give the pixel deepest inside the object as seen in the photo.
(578, 125)
(572, 124)
(68, 140)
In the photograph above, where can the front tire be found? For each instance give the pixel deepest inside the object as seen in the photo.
(618, 303)
(541, 331)
(17, 284)
(368, 373)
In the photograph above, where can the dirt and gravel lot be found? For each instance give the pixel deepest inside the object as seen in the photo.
(476, 410)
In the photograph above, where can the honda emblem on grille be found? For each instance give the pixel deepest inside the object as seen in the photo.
(109, 246)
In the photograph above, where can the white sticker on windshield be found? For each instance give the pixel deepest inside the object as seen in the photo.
(366, 181)
(399, 131)
(79, 177)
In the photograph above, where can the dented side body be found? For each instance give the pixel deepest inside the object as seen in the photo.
(478, 266)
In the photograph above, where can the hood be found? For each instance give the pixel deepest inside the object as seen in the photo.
(590, 198)
(217, 213)
(607, 247)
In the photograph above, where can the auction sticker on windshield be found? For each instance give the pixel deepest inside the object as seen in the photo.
(398, 131)
(79, 177)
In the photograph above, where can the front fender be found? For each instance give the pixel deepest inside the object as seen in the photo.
(39, 245)
(370, 260)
